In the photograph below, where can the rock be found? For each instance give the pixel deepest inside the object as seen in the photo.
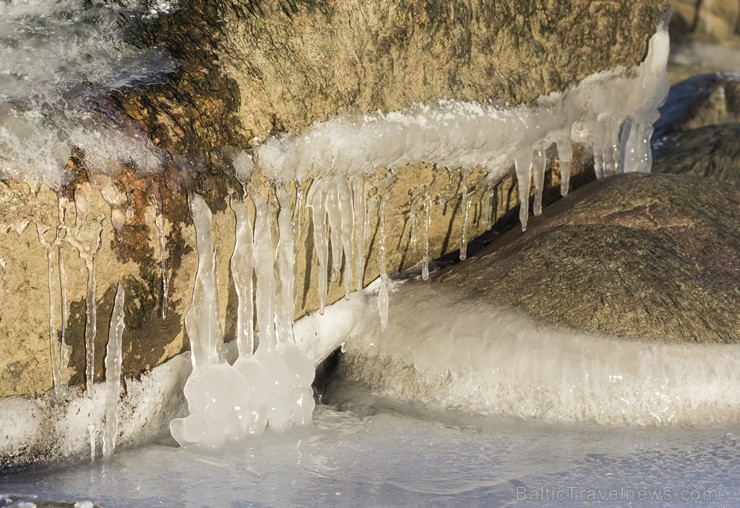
(652, 257)
(706, 99)
(252, 70)
(710, 152)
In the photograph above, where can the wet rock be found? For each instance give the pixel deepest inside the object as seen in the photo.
(709, 152)
(706, 99)
(638, 256)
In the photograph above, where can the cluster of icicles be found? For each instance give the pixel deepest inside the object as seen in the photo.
(269, 386)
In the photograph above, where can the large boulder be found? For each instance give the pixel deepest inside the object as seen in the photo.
(711, 152)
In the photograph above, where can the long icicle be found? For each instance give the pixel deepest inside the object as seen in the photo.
(202, 320)
(160, 225)
(539, 164)
(346, 209)
(465, 205)
(523, 168)
(383, 291)
(359, 204)
(264, 263)
(63, 310)
(113, 360)
(316, 200)
(427, 224)
(241, 271)
(54, 347)
(285, 308)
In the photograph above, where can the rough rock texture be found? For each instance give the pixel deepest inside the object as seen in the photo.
(642, 256)
(711, 152)
(250, 69)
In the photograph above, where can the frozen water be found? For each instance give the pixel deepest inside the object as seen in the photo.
(463, 134)
(380, 457)
(113, 359)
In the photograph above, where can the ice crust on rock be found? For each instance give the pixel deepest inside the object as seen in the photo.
(464, 354)
(613, 111)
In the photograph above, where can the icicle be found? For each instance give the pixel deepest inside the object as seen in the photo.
(334, 215)
(64, 313)
(489, 209)
(413, 240)
(202, 319)
(427, 225)
(113, 359)
(285, 302)
(264, 264)
(53, 278)
(565, 154)
(637, 155)
(612, 127)
(523, 167)
(92, 437)
(254, 417)
(297, 212)
(466, 212)
(383, 291)
(241, 272)
(160, 225)
(539, 164)
(316, 200)
(359, 205)
(86, 238)
(346, 211)
(597, 140)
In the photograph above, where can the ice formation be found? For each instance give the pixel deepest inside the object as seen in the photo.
(269, 386)
(113, 359)
(613, 111)
(462, 353)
